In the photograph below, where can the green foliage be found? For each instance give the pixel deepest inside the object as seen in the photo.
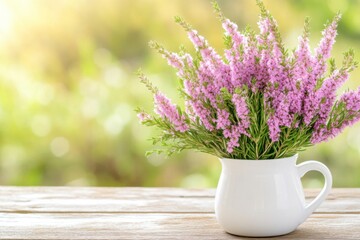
(182, 23)
(257, 145)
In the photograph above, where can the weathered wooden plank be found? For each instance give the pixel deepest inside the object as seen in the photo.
(139, 200)
(156, 226)
(65, 199)
(131, 192)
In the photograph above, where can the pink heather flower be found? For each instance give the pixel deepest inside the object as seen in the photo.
(335, 130)
(196, 104)
(232, 31)
(232, 134)
(181, 63)
(188, 60)
(203, 113)
(208, 53)
(327, 93)
(196, 39)
(222, 120)
(167, 110)
(322, 53)
(304, 84)
(351, 100)
(223, 76)
(189, 109)
(352, 107)
(143, 117)
(303, 59)
(242, 61)
(282, 92)
(191, 88)
(208, 85)
(242, 111)
(249, 69)
(328, 39)
(236, 67)
(282, 113)
(187, 66)
(285, 97)
(310, 106)
(262, 74)
(264, 39)
(279, 92)
(274, 128)
(265, 26)
(233, 55)
(211, 79)
(322, 134)
(214, 64)
(318, 66)
(175, 61)
(306, 80)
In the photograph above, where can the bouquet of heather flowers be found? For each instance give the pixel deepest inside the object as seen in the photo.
(259, 101)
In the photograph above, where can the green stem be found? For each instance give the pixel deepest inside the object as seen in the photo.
(266, 149)
(278, 153)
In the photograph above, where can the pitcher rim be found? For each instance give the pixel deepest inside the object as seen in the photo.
(295, 156)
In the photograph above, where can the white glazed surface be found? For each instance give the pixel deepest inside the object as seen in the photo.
(260, 198)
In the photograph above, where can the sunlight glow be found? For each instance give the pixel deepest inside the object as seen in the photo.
(6, 20)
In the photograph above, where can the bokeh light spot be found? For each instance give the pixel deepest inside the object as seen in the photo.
(90, 108)
(59, 146)
(40, 125)
(115, 123)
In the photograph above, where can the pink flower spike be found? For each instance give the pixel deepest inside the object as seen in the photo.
(222, 120)
(274, 128)
(322, 53)
(242, 111)
(326, 95)
(167, 110)
(351, 100)
(175, 61)
(198, 41)
(328, 39)
(232, 31)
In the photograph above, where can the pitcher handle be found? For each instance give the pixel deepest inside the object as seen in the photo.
(307, 166)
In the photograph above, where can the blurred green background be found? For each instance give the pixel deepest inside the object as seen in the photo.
(68, 89)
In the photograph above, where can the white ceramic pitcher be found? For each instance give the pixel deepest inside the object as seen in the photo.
(260, 198)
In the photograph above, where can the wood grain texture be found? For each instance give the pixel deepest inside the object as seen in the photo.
(156, 226)
(149, 213)
(138, 200)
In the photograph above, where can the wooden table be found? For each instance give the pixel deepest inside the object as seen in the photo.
(149, 213)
